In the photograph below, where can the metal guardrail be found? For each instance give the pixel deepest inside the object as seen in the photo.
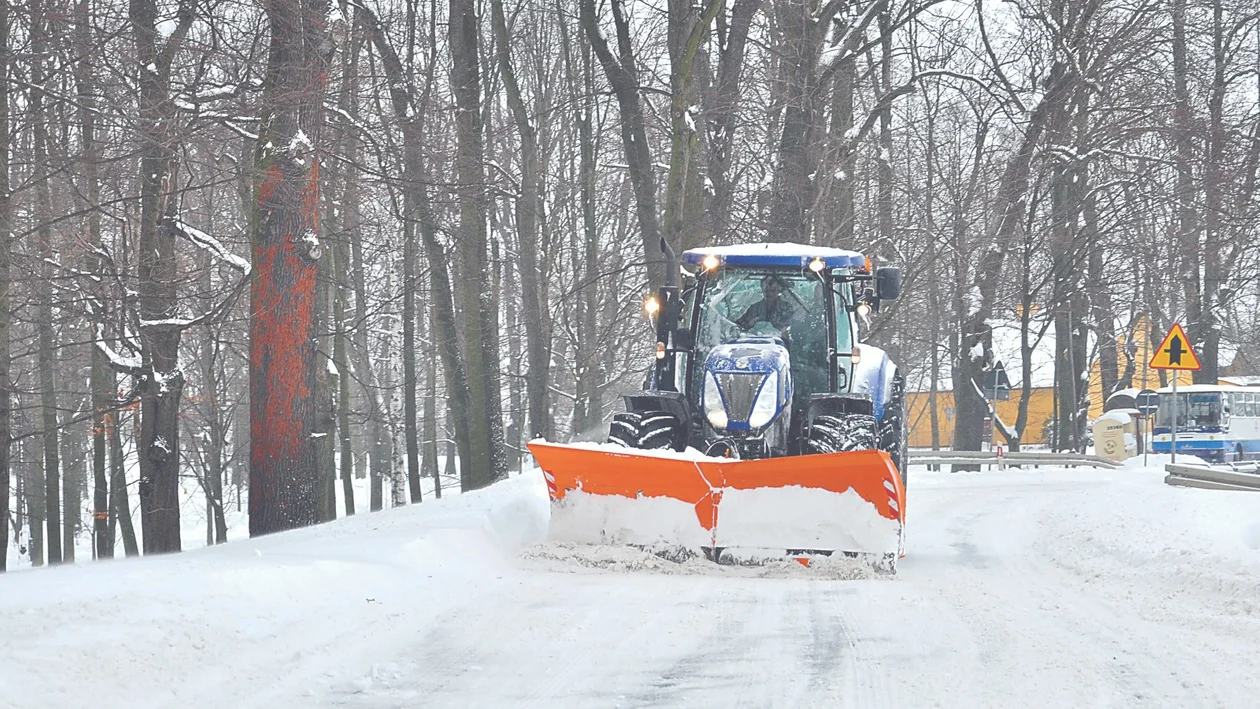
(1235, 476)
(1019, 459)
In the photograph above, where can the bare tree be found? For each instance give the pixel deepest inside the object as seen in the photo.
(283, 402)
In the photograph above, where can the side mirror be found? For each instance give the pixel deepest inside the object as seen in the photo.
(684, 339)
(887, 283)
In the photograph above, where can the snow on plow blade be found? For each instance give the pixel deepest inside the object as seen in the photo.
(775, 507)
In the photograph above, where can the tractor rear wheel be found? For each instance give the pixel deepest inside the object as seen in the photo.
(838, 434)
(892, 427)
(644, 430)
(624, 429)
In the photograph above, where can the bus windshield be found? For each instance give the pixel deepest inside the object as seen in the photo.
(1196, 410)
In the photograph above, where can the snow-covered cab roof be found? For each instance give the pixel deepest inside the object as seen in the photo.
(784, 254)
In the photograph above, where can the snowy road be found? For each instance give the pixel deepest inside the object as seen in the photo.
(1036, 588)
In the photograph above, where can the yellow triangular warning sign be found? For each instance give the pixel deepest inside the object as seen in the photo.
(1175, 353)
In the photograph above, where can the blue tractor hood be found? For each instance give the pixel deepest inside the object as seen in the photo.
(742, 370)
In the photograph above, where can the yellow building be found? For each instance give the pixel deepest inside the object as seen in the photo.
(1041, 396)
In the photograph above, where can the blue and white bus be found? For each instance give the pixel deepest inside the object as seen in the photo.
(1219, 424)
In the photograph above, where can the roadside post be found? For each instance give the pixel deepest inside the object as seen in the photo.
(1147, 402)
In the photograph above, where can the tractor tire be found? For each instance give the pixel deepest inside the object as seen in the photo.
(624, 429)
(892, 427)
(839, 434)
(657, 430)
(643, 430)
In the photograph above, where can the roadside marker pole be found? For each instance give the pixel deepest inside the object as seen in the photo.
(1148, 434)
(1174, 419)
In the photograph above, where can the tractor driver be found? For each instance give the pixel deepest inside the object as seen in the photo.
(772, 308)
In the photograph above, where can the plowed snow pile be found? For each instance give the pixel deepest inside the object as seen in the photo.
(577, 558)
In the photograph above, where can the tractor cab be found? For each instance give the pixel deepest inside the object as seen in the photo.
(758, 342)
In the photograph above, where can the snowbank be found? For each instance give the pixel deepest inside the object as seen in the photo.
(194, 629)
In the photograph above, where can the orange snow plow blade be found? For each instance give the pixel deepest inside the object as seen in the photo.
(771, 508)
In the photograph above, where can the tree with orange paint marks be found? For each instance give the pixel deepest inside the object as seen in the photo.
(284, 391)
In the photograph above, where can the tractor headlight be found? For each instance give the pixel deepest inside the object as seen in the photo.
(767, 403)
(714, 408)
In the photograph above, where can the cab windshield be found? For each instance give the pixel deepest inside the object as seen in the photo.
(788, 304)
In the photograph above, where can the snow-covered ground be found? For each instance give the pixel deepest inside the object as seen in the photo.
(1032, 588)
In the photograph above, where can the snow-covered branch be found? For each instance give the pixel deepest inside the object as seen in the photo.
(211, 244)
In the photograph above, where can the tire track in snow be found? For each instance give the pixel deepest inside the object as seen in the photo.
(866, 682)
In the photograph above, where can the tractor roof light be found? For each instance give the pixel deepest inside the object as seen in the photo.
(652, 306)
(864, 310)
(660, 350)
(711, 262)
(857, 354)
(817, 265)
(868, 264)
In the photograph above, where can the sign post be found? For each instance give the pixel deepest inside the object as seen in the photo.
(1147, 402)
(1175, 353)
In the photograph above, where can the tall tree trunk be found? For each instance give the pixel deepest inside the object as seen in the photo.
(1205, 329)
(623, 76)
(884, 173)
(794, 190)
(487, 462)
(1068, 191)
(1185, 132)
(346, 214)
(974, 305)
(935, 313)
(684, 188)
(528, 207)
(325, 432)
(514, 431)
(212, 377)
(71, 485)
(158, 271)
(46, 347)
(429, 460)
(368, 383)
(34, 489)
(345, 440)
(6, 230)
(722, 109)
(840, 230)
(101, 378)
(1101, 306)
(409, 386)
(592, 372)
(409, 111)
(119, 499)
(284, 408)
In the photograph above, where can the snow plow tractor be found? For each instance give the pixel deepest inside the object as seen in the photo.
(765, 431)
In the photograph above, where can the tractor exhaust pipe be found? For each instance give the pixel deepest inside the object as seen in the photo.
(667, 322)
(671, 264)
